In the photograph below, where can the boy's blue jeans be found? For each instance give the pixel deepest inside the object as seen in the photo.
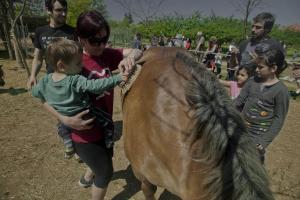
(65, 133)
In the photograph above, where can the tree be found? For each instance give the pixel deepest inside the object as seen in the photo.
(78, 6)
(143, 10)
(20, 57)
(246, 7)
(127, 18)
(5, 25)
(32, 8)
(100, 6)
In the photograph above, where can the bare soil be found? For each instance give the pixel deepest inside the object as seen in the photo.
(32, 165)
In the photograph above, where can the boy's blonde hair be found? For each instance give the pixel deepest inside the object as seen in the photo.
(62, 49)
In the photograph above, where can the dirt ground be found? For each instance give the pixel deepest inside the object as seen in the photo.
(32, 166)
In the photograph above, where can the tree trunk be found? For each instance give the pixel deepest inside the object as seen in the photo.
(3, 14)
(8, 41)
(20, 57)
(246, 17)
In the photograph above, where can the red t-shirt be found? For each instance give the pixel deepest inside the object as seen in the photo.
(99, 67)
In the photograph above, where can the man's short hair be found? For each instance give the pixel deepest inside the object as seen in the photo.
(267, 19)
(62, 49)
(49, 4)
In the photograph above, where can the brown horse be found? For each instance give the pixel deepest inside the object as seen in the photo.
(2, 82)
(182, 133)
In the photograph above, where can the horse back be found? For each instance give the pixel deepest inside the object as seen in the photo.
(156, 120)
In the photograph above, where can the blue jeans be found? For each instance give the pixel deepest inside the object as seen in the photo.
(65, 133)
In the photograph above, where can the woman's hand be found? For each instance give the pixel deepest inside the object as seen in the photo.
(125, 67)
(77, 122)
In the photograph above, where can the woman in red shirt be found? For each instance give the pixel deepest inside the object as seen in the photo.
(93, 33)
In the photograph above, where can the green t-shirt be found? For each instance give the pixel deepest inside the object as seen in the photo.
(69, 96)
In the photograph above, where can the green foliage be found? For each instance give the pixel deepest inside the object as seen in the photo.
(32, 8)
(290, 38)
(225, 29)
(121, 33)
(128, 18)
(79, 6)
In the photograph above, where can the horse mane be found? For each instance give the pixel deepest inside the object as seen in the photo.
(236, 172)
(131, 78)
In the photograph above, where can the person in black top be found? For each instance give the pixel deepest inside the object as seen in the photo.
(57, 10)
(261, 27)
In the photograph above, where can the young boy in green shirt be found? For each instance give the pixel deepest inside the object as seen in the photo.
(67, 91)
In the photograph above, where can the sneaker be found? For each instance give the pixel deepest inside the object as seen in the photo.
(83, 183)
(108, 138)
(69, 152)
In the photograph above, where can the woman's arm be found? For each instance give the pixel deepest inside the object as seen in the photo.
(130, 58)
(75, 122)
(132, 53)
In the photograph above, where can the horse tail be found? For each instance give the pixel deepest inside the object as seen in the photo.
(236, 172)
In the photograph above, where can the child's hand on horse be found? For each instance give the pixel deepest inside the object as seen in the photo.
(126, 65)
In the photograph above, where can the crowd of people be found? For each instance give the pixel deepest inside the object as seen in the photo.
(78, 86)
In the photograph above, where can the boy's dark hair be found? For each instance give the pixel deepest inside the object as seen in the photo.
(62, 49)
(49, 4)
(90, 23)
(271, 55)
(267, 19)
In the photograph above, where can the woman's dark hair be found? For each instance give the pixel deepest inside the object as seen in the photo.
(49, 4)
(90, 23)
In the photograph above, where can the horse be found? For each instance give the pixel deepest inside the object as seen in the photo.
(2, 82)
(181, 132)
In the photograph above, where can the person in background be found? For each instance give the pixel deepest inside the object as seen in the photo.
(137, 41)
(296, 78)
(243, 73)
(233, 63)
(261, 27)
(188, 44)
(210, 53)
(200, 42)
(57, 28)
(218, 62)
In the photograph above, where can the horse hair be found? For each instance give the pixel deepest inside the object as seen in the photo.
(227, 146)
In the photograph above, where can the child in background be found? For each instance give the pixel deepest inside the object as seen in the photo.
(264, 100)
(296, 77)
(243, 73)
(232, 62)
(218, 62)
(67, 91)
